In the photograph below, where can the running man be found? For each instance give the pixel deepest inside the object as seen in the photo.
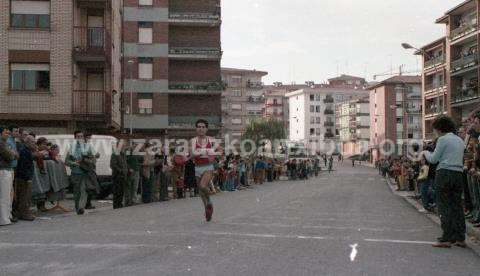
(203, 154)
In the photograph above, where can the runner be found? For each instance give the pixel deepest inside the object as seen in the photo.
(203, 154)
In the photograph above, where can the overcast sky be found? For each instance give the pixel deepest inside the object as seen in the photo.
(300, 40)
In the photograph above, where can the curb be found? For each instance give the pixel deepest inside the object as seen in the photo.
(472, 233)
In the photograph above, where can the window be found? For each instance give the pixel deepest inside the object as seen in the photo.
(318, 97)
(318, 132)
(318, 120)
(410, 136)
(145, 32)
(30, 14)
(399, 120)
(312, 120)
(317, 109)
(145, 2)
(237, 93)
(275, 101)
(29, 77)
(236, 107)
(312, 97)
(312, 108)
(145, 103)
(236, 81)
(145, 68)
(236, 121)
(312, 131)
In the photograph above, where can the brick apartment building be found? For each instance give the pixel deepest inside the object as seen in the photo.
(60, 65)
(395, 113)
(172, 55)
(450, 67)
(243, 99)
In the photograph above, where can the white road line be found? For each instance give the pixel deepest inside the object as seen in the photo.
(354, 252)
(398, 241)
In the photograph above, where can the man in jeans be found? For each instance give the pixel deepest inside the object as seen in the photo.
(6, 177)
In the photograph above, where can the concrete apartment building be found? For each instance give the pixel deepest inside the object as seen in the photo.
(60, 65)
(395, 113)
(243, 99)
(172, 55)
(353, 119)
(450, 67)
(312, 115)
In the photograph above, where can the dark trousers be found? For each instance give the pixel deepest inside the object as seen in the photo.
(147, 189)
(426, 192)
(119, 185)
(449, 188)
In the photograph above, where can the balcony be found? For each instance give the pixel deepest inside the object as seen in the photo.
(329, 135)
(328, 124)
(97, 4)
(89, 44)
(199, 53)
(461, 96)
(255, 84)
(434, 62)
(464, 64)
(89, 104)
(328, 100)
(198, 88)
(463, 31)
(329, 112)
(188, 122)
(194, 19)
(252, 99)
(433, 87)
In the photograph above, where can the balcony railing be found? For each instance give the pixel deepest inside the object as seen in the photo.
(188, 122)
(463, 31)
(88, 102)
(328, 100)
(329, 135)
(463, 95)
(89, 41)
(329, 124)
(464, 63)
(211, 86)
(329, 112)
(255, 99)
(430, 87)
(194, 18)
(255, 84)
(195, 53)
(434, 61)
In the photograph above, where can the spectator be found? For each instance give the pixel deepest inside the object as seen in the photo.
(7, 156)
(449, 156)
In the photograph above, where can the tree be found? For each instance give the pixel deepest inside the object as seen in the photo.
(264, 129)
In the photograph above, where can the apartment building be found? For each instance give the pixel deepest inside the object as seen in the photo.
(243, 99)
(353, 122)
(450, 67)
(395, 114)
(172, 75)
(60, 65)
(312, 115)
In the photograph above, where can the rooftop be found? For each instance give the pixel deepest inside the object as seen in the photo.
(397, 80)
(346, 77)
(226, 70)
(460, 7)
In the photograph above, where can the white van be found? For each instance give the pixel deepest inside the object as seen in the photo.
(102, 144)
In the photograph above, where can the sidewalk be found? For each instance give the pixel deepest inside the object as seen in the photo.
(473, 233)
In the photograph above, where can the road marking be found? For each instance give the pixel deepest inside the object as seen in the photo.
(354, 252)
(398, 241)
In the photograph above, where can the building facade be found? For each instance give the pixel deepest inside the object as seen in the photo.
(172, 77)
(450, 67)
(395, 115)
(353, 120)
(60, 65)
(312, 116)
(242, 101)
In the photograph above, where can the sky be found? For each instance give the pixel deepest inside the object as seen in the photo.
(313, 40)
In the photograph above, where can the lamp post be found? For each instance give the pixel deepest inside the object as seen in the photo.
(130, 64)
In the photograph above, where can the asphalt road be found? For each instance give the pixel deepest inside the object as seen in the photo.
(343, 223)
